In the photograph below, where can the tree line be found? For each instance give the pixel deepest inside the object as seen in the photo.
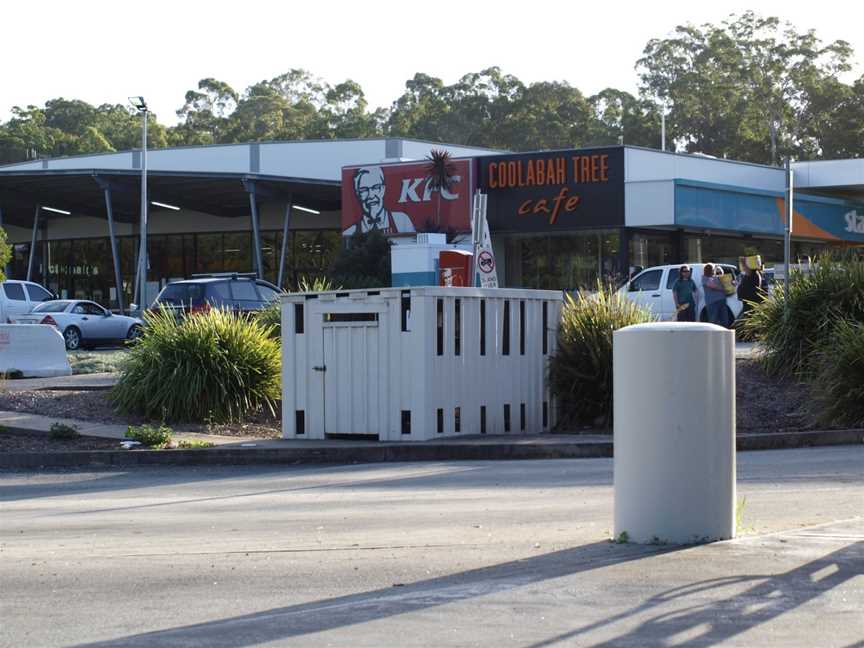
(750, 88)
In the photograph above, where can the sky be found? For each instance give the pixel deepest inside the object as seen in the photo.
(101, 51)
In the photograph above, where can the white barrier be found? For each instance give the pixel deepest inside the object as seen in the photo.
(417, 364)
(36, 350)
(674, 402)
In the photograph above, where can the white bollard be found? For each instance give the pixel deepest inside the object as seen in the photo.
(674, 408)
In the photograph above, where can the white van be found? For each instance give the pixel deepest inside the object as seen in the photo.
(19, 298)
(652, 288)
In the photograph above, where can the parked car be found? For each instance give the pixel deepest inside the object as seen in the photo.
(20, 297)
(85, 323)
(240, 293)
(652, 288)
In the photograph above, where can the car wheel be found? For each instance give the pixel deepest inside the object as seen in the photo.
(72, 336)
(135, 333)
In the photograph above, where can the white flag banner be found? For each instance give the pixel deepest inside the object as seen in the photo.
(485, 271)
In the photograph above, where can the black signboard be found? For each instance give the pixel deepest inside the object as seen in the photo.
(554, 190)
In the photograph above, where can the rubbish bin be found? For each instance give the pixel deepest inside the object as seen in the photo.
(674, 433)
(455, 268)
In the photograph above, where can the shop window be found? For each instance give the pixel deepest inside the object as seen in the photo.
(208, 257)
(238, 252)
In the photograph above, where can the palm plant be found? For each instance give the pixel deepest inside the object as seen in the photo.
(440, 171)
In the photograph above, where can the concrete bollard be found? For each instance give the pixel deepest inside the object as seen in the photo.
(674, 408)
(36, 350)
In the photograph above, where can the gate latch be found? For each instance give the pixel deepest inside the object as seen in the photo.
(322, 368)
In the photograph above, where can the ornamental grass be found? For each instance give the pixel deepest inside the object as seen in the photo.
(581, 368)
(213, 366)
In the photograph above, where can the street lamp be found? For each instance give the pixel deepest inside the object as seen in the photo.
(141, 274)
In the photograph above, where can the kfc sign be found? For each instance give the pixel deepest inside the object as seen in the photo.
(398, 198)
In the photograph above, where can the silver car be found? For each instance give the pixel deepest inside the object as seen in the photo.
(84, 323)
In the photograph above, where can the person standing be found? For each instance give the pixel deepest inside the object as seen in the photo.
(715, 296)
(751, 289)
(684, 295)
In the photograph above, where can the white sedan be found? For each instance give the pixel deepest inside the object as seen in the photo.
(84, 323)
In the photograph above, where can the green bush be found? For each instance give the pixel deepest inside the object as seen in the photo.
(839, 376)
(831, 292)
(63, 432)
(364, 261)
(271, 317)
(581, 368)
(150, 435)
(213, 366)
(194, 444)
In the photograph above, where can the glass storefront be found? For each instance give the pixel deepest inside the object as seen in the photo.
(569, 262)
(727, 249)
(650, 249)
(83, 268)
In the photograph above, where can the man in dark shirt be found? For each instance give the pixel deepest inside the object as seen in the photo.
(684, 295)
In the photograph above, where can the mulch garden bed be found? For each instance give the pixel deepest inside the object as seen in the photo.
(94, 406)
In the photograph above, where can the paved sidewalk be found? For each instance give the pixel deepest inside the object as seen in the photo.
(444, 554)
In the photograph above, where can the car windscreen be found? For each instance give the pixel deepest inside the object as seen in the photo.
(14, 292)
(51, 307)
(38, 294)
(218, 294)
(245, 294)
(180, 294)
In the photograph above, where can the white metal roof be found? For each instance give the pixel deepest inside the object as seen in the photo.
(310, 159)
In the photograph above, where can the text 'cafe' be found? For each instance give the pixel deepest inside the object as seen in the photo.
(564, 219)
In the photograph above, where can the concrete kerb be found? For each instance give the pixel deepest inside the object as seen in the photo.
(568, 447)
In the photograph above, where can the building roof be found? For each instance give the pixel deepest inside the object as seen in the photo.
(210, 179)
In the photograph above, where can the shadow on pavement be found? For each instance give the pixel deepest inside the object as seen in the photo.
(708, 624)
(711, 622)
(297, 620)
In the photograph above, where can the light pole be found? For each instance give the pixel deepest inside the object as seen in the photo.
(141, 273)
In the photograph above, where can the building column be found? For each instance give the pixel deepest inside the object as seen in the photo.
(624, 252)
(33, 242)
(256, 234)
(6, 268)
(118, 279)
(286, 223)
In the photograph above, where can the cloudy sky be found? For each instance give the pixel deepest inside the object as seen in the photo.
(102, 51)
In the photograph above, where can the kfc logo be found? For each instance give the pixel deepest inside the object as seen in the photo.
(398, 198)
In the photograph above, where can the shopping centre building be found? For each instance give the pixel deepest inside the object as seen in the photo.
(558, 219)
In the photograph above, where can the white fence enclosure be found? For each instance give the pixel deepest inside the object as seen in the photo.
(417, 364)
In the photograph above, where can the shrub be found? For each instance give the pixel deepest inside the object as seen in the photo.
(581, 368)
(272, 315)
(194, 444)
(150, 435)
(271, 319)
(833, 291)
(364, 262)
(213, 366)
(63, 432)
(316, 284)
(839, 376)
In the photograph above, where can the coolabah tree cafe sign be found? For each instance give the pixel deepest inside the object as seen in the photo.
(554, 190)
